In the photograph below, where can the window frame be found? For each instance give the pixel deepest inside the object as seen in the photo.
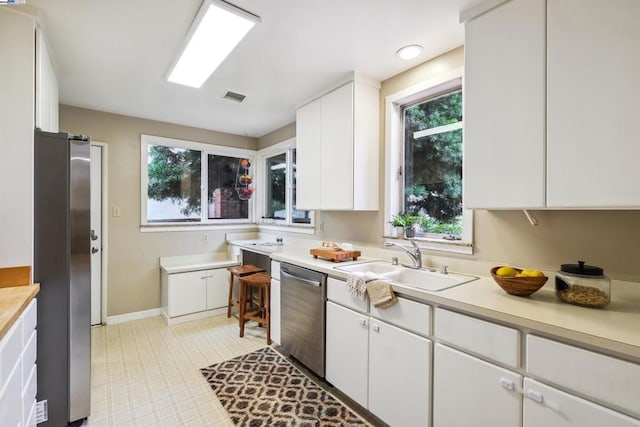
(205, 151)
(394, 159)
(261, 207)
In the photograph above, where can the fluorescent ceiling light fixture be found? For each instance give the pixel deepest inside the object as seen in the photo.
(409, 52)
(216, 30)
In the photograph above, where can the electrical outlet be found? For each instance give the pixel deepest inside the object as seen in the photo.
(321, 226)
(116, 211)
(204, 238)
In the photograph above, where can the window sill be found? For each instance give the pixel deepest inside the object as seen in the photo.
(454, 246)
(300, 229)
(152, 228)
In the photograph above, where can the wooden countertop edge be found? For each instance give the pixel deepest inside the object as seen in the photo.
(13, 301)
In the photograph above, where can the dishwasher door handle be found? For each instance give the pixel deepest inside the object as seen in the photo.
(300, 279)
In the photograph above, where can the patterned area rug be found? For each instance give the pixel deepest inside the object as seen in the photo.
(263, 389)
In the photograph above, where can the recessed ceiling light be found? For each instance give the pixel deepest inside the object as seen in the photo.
(216, 30)
(409, 52)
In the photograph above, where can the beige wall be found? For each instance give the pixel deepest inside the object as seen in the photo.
(278, 135)
(133, 269)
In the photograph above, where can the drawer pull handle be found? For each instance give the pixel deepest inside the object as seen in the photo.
(536, 396)
(507, 384)
(363, 322)
(376, 328)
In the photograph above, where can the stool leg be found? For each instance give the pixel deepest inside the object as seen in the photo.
(267, 309)
(230, 295)
(243, 306)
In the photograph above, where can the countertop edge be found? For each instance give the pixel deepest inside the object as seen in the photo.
(24, 295)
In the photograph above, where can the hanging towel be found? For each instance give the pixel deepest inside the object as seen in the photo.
(381, 293)
(356, 285)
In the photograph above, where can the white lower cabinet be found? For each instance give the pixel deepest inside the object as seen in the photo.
(399, 371)
(468, 391)
(347, 346)
(274, 315)
(546, 406)
(194, 292)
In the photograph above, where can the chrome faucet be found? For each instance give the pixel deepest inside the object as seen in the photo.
(414, 253)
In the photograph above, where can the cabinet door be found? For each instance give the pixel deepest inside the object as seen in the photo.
(470, 392)
(336, 160)
(399, 375)
(308, 154)
(275, 311)
(504, 107)
(346, 351)
(217, 288)
(545, 406)
(187, 293)
(593, 103)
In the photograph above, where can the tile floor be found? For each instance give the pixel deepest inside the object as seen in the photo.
(147, 374)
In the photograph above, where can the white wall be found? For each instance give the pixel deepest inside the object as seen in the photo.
(17, 41)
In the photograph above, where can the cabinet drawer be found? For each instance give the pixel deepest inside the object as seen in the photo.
(407, 314)
(338, 293)
(29, 356)
(547, 406)
(29, 393)
(604, 378)
(483, 338)
(10, 349)
(31, 421)
(10, 407)
(29, 320)
(275, 270)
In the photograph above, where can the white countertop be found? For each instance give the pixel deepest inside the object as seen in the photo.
(181, 264)
(614, 328)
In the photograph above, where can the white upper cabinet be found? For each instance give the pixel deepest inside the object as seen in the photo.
(593, 101)
(504, 107)
(337, 143)
(46, 88)
(550, 97)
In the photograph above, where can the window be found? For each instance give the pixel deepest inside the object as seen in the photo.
(424, 168)
(173, 190)
(280, 192)
(433, 164)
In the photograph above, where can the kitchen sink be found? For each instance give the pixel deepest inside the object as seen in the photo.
(377, 267)
(423, 279)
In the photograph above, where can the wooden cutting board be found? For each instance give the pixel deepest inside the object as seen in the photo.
(335, 255)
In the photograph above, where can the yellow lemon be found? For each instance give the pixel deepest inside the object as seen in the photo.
(506, 271)
(535, 273)
(523, 274)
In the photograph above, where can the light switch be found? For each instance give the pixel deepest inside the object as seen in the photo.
(116, 211)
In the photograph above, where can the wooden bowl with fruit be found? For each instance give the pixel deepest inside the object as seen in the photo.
(515, 281)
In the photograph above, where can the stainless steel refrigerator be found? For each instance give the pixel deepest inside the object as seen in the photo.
(62, 266)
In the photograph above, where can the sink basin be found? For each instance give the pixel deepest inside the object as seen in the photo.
(427, 280)
(418, 279)
(377, 267)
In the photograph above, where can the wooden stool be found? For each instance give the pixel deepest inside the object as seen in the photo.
(262, 282)
(239, 271)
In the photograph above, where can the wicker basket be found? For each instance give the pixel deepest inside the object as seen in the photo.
(519, 286)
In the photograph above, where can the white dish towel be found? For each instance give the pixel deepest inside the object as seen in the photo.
(356, 285)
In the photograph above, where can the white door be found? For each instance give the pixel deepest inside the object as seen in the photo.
(217, 288)
(399, 376)
(96, 234)
(471, 392)
(346, 351)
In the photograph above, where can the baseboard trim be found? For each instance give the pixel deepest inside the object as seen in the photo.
(194, 316)
(120, 318)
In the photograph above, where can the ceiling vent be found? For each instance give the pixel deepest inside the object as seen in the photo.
(235, 97)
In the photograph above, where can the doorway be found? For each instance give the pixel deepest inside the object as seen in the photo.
(98, 232)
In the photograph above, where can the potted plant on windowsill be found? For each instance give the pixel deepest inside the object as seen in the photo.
(405, 222)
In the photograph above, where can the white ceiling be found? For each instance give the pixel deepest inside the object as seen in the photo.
(113, 55)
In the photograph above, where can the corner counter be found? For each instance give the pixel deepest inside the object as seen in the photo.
(13, 301)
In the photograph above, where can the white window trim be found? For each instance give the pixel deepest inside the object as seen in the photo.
(271, 224)
(394, 159)
(145, 140)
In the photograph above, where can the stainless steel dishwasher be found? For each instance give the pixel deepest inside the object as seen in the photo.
(303, 294)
